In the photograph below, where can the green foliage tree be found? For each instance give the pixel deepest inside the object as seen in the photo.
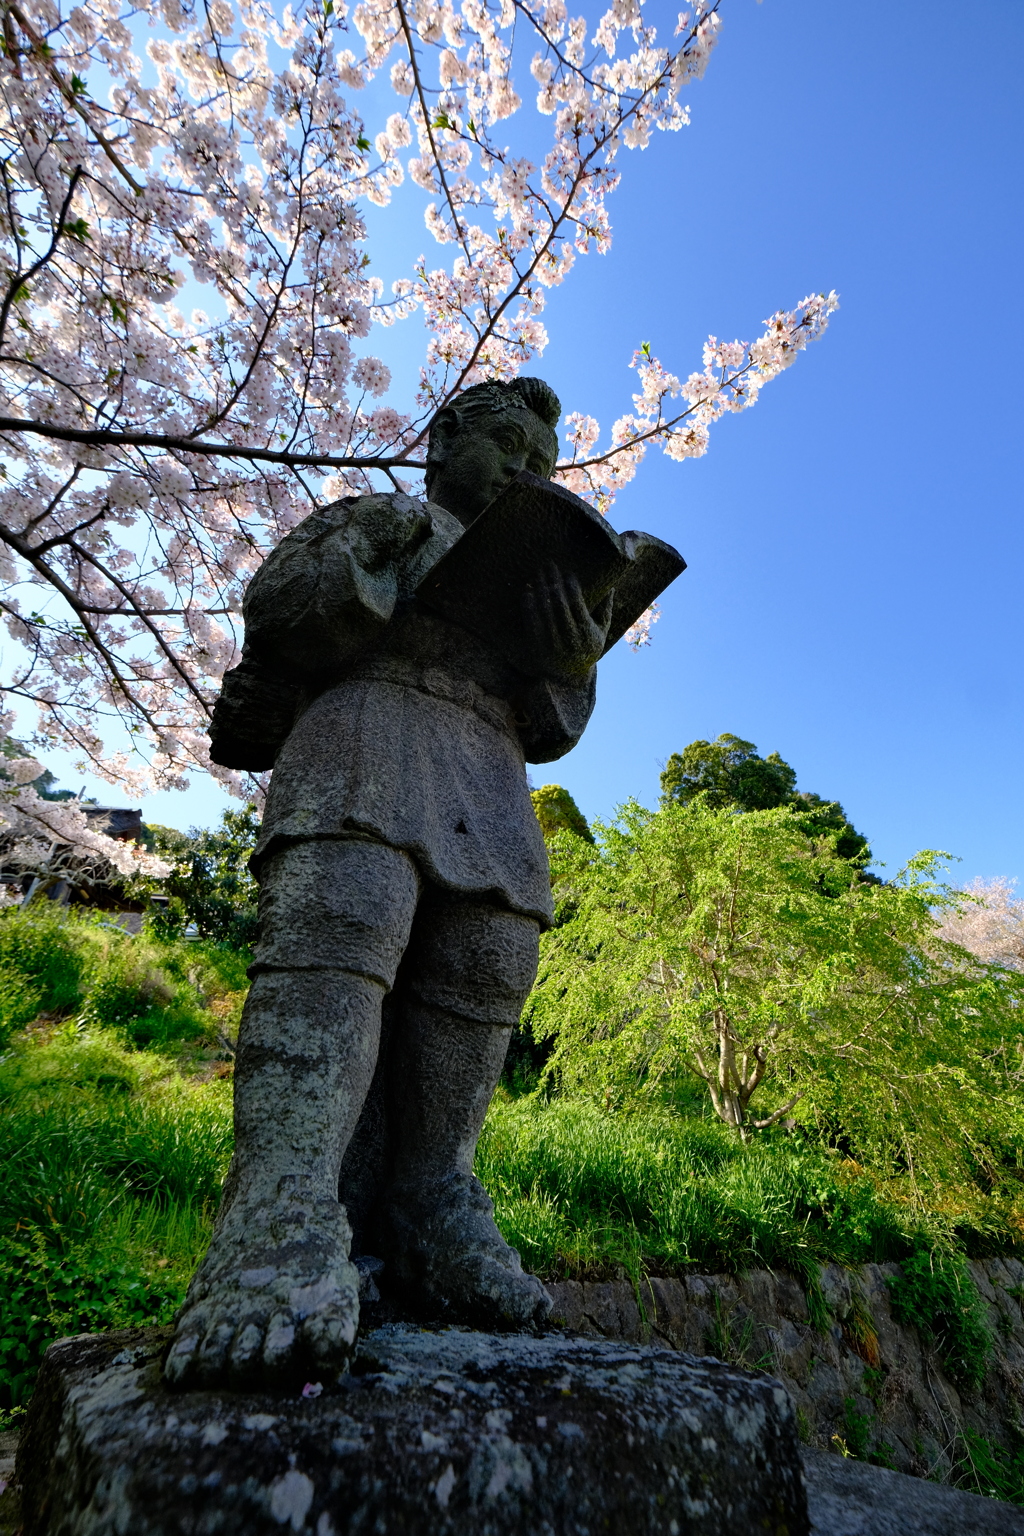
(210, 885)
(557, 811)
(729, 772)
(738, 950)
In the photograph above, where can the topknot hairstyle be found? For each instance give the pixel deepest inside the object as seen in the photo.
(494, 398)
(497, 396)
(541, 399)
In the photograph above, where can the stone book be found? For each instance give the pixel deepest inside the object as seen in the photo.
(480, 582)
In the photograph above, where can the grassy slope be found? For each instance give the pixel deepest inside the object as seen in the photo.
(115, 1126)
(115, 1132)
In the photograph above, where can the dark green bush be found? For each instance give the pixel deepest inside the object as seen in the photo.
(935, 1293)
(47, 1293)
(210, 885)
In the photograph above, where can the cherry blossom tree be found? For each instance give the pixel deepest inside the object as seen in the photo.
(989, 922)
(44, 842)
(161, 155)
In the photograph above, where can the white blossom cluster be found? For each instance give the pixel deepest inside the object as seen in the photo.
(53, 838)
(989, 923)
(733, 375)
(158, 152)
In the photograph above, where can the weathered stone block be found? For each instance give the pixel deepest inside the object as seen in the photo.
(850, 1498)
(449, 1432)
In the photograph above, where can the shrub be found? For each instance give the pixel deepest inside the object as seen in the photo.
(935, 1293)
(48, 1293)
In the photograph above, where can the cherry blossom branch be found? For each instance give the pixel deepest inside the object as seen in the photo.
(103, 437)
(20, 280)
(428, 126)
(40, 49)
(146, 619)
(216, 166)
(52, 839)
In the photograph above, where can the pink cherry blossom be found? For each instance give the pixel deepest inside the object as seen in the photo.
(53, 838)
(158, 441)
(989, 923)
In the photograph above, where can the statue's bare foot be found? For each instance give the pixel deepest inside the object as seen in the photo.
(447, 1249)
(275, 1301)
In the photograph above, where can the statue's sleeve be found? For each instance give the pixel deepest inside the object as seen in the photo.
(330, 586)
(552, 716)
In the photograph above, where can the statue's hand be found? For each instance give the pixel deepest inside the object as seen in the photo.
(383, 527)
(563, 637)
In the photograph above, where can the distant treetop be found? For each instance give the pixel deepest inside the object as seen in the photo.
(557, 811)
(730, 771)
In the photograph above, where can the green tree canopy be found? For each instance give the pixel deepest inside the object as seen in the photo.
(738, 950)
(557, 811)
(210, 885)
(730, 772)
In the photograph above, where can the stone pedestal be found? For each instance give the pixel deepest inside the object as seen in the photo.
(451, 1432)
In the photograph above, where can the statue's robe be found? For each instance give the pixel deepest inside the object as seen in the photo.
(409, 729)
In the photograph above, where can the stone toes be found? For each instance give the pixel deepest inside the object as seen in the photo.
(279, 1348)
(500, 1293)
(328, 1338)
(544, 1306)
(246, 1355)
(210, 1359)
(178, 1366)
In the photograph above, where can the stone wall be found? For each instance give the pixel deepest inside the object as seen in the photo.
(867, 1384)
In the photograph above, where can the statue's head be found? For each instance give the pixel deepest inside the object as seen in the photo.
(485, 437)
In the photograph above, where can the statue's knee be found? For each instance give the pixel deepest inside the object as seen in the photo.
(343, 904)
(476, 961)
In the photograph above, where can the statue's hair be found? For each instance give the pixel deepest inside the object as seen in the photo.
(494, 398)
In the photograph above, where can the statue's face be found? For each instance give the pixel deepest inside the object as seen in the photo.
(480, 459)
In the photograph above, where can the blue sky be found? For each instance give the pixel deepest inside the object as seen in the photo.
(855, 541)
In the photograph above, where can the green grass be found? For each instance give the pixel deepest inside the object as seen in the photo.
(115, 1133)
(112, 1168)
(579, 1191)
(988, 1469)
(113, 1155)
(935, 1293)
(43, 963)
(153, 992)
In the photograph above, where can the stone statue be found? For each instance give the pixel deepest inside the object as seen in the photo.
(403, 886)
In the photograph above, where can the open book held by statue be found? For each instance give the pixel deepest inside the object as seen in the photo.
(403, 661)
